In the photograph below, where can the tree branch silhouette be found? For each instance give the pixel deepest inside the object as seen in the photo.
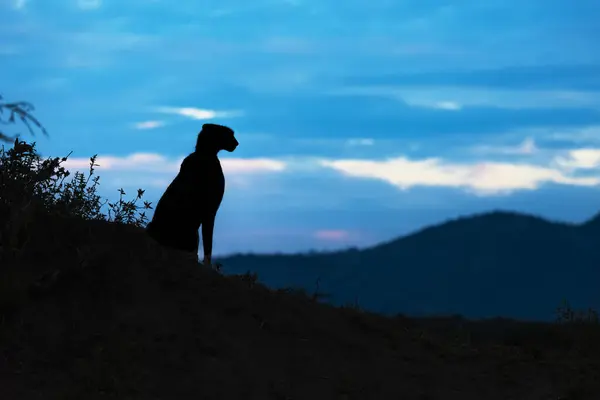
(10, 112)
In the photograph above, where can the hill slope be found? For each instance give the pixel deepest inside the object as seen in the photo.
(494, 264)
(115, 316)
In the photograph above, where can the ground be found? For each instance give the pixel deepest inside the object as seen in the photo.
(94, 310)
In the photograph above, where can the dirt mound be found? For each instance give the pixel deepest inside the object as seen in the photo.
(97, 310)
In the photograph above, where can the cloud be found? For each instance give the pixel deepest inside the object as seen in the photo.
(136, 181)
(251, 165)
(149, 125)
(351, 116)
(89, 4)
(198, 113)
(526, 147)
(467, 96)
(332, 235)
(484, 178)
(138, 162)
(157, 163)
(20, 4)
(587, 158)
(360, 142)
(104, 43)
(447, 105)
(590, 134)
(584, 77)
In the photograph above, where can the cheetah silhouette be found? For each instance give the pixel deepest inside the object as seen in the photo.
(193, 198)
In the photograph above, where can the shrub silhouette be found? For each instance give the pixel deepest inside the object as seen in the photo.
(31, 186)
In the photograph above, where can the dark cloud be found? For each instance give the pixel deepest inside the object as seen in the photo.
(375, 117)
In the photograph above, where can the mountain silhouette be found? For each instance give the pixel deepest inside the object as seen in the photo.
(493, 264)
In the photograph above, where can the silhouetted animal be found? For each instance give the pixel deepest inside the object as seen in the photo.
(194, 196)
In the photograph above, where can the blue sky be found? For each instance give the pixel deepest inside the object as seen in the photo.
(358, 120)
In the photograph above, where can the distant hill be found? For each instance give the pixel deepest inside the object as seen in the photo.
(494, 264)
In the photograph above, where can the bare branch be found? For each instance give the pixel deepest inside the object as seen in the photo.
(10, 111)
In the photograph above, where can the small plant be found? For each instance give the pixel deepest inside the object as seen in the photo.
(294, 291)
(354, 305)
(302, 292)
(126, 212)
(317, 294)
(250, 278)
(218, 267)
(582, 327)
(565, 314)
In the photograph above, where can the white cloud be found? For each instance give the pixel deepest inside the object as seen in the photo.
(360, 142)
(251, 165)
(89, 4)
(138, 162)
(586, 158)
(590, 134)
(157, 163)
(198, 113)
(526, 147)
(447, 105)
(20, 4)
(135, 181)
(480, 178)
(149, 124)
(416, 100)
(425, 96)
(485, 178)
